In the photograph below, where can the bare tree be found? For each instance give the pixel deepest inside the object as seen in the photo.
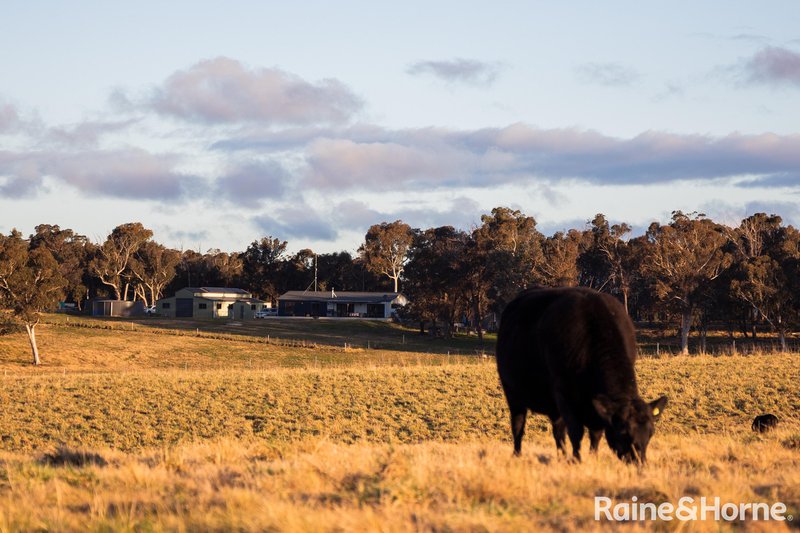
(112, 262)
(153, 267)
(683, 258)
(560, 255)
(30, 283)
(502, 254)
(607, 263)
(761, 277)
(385, 249)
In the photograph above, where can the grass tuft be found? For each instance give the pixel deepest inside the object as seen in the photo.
(793, 442)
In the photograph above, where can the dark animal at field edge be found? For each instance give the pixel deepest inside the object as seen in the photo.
(569, 354)
(764, 423)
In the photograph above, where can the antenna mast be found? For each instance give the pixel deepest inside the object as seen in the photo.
(315, 276)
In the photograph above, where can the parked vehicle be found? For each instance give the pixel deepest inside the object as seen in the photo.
(266, 313)
(150, 310)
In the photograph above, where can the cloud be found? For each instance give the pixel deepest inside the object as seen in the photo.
(223, 90)
(357, 215)
(670, 90)
(381, 165)
(609, 74)
(187, 237)
(86, 134)
(520, 153)
(20, 174)
(782, 179)
(458, 70)
(461, 212)
(10, 121)
(298, 221)
(129, 173)
(789, 211)
(251, 183)
(732, 214)
(13, 122)
(126, 173)
(774, 65)
(750, 37)
(275, 140)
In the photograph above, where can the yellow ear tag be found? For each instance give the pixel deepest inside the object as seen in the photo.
(656, 411)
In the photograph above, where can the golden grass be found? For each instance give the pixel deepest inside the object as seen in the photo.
(319, 485)
(88, 349)
(397, 404)
(150, 432)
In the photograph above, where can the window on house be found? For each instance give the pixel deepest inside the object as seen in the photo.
(202, 306)
(165, 305)
(253, 307)
(219, 306)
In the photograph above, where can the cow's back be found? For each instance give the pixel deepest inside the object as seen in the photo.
(574, 338)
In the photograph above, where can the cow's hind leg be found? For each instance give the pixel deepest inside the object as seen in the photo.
(518, 415)
(594, 439)
(560, 433)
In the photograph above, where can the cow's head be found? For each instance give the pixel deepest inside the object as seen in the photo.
(629, 425)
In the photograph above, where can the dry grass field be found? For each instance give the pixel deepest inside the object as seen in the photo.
(142, 430)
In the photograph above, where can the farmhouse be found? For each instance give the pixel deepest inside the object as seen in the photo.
(340, 304)
(210, 302)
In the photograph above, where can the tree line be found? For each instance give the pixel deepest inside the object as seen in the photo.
(691, 271)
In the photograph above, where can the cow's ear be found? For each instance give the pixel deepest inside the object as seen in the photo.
(604, 407)
(657, 406)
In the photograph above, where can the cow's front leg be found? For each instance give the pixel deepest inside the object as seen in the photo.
(594, 439)
(560, 433)
(574, 424)
(575, 432)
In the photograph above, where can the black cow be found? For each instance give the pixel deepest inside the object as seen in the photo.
(764, 423)
(568, 353)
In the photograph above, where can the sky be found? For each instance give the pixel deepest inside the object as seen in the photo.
(215, 124)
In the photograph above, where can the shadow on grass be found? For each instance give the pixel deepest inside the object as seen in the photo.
(67, 456)
(352, 333)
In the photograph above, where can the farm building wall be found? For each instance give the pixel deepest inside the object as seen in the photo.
(117, 308)
(166, 307)
(246, 310)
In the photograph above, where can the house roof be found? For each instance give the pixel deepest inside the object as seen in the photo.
(340, 296)
(229, 290)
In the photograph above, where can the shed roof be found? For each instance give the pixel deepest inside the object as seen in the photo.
(251, 300)
(217, 289)
(341, 296)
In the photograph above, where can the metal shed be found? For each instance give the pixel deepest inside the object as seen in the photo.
(117, 308)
